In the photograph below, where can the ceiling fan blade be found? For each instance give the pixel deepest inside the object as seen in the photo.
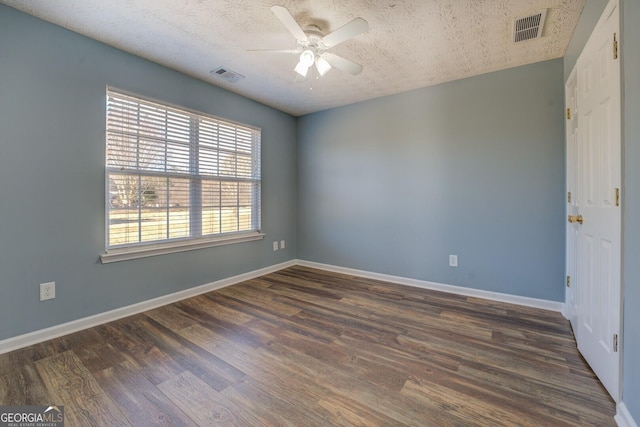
(347, 31)
(342, 63)
(274, 50)
(289, 22)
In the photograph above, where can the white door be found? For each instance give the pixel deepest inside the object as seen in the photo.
(572, 181)
(599, 236)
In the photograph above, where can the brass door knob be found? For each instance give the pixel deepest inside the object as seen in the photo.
(575, 218)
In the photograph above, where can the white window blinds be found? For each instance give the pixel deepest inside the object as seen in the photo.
(176, 175)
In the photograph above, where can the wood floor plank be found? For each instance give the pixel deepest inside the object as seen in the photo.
(265, 314)
(207, 316)
(305, 347)
(99, 356)
(172, 317)
(123, 336)
(139, 399)
(205, 405)
(549, 398)
(256, 295)
(474, 411)
(273, 408)
(349, 413)
(24, 384)
(221, 312)
(217, 373)
(71, 384)
(340, 381)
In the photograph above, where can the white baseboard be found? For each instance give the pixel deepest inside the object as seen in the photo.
(623, 417)
(41, 335)
(459, 290)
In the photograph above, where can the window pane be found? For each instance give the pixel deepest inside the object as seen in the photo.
(244, 141)
(229, 194)
(123, 191)
(153, 224)
(244, 218)
(178, 127)
(247, 198)
(121, 151)
(245, 194)
(229, 219)
(123, 226)
(177, 158)
(123, 213)
(229, 206)
(210, 207)
(227, 137)
(153, 210)
(208, 132)
(208, 162)
(150, 155)
(227, 164)
(243, 166)
(179, 208)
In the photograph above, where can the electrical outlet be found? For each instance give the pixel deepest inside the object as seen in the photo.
(453, 260)
(47, 291)
(282, 244)
(275, 245)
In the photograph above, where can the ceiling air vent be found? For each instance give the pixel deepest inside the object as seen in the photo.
(227, 74)
(529, 27)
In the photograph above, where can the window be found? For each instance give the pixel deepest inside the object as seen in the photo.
(177, 179)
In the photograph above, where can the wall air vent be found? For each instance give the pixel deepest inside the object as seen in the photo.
(227, 74)
(529, 27)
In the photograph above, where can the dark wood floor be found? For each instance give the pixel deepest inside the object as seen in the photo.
(303, 347)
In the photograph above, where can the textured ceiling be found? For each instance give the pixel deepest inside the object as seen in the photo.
(410, 43)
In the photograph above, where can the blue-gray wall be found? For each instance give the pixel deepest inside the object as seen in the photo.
(52, 139)
(473, 167)
(631, 205)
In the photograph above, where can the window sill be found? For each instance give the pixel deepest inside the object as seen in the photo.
(124, 254)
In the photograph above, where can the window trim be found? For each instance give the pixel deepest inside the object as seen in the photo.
(174, 246)
(142, 250)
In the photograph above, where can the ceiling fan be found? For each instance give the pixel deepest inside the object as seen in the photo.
(312, 44)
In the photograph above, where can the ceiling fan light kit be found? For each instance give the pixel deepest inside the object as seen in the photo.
(307, 58)
(322, 66)
(312, 45)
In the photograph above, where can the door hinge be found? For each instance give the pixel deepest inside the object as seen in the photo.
(568, 281)
(568, 113)
(615, 343)
(568, 196)
(617, 196)
(615, 46)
